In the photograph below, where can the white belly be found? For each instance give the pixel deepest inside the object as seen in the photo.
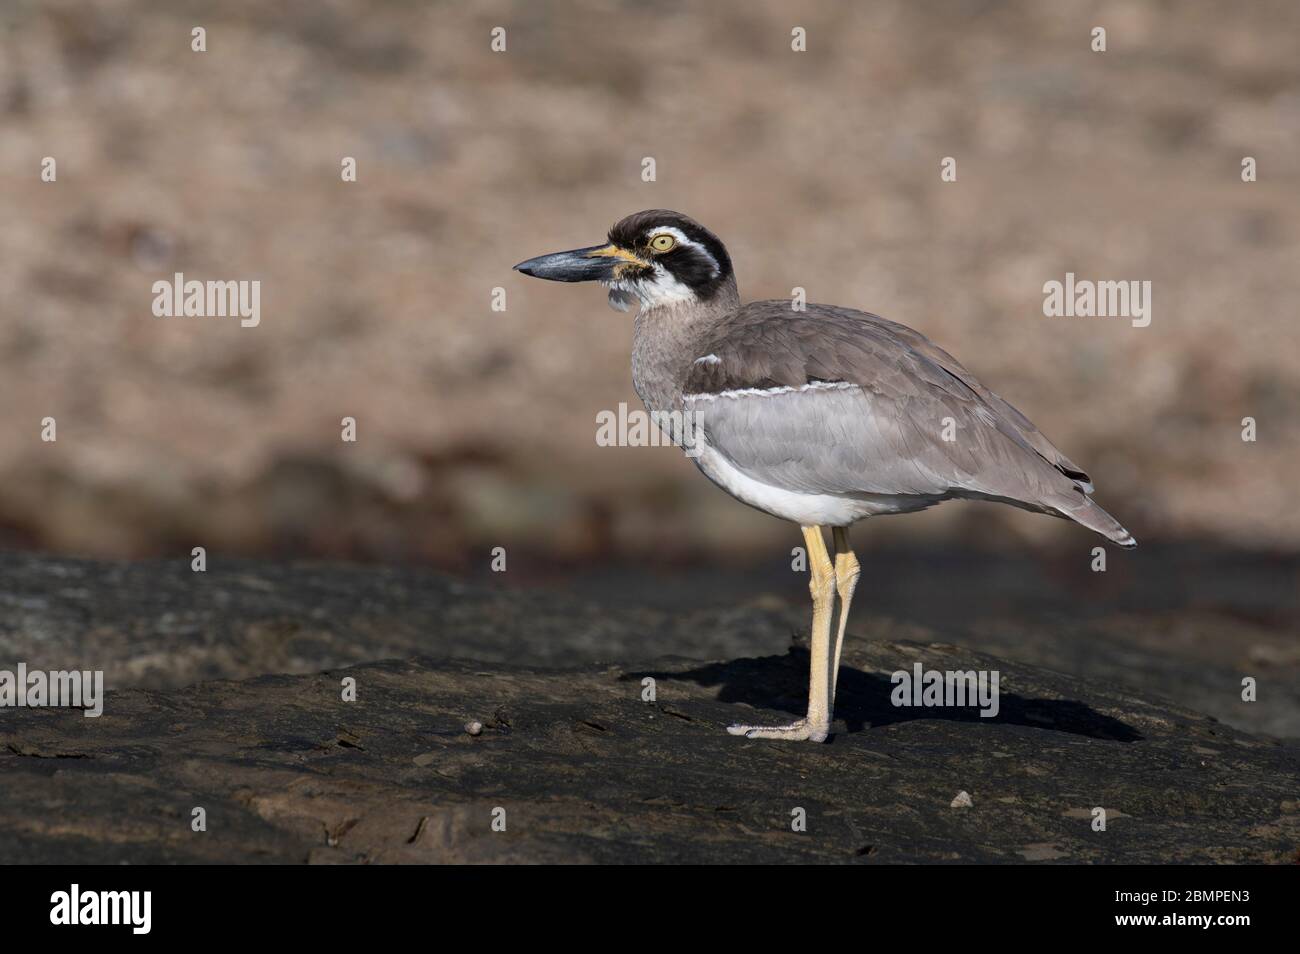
(807, 510)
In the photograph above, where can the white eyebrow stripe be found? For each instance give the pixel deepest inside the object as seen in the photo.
(681, 238)
(675, 233)
(709, 359)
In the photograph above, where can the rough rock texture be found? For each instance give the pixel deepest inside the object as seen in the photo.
(157, 624)
(1182, 626)
(587, 770)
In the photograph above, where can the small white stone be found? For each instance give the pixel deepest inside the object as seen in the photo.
(962, 800)
(476, 728)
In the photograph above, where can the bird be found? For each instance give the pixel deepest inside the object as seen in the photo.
(822, 415)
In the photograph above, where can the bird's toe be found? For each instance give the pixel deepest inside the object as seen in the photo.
(799, 731)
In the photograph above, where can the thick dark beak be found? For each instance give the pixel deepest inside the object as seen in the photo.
(594, 264)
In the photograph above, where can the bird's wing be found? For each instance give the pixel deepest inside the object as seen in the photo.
(834, 401)
(1031, 434)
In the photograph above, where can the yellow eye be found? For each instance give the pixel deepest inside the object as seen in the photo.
(663, 243)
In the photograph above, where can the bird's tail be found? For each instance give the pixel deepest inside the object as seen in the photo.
(1094, 518)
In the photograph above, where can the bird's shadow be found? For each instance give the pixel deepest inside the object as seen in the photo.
(863, 699)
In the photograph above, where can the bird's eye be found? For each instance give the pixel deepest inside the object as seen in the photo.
(663, 243)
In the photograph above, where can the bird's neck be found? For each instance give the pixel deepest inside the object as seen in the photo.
(666, 340)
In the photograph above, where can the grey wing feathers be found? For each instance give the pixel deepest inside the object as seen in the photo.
(1033, 437)
(835, 401)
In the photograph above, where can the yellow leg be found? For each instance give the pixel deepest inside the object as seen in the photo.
(847, 571)
(817, 724)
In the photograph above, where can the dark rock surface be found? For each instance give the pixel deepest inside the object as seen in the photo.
(587, 771)
(1179, 624)
(1183, 621)
(157, 624)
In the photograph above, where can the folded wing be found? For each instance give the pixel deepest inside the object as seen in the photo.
(835, 401)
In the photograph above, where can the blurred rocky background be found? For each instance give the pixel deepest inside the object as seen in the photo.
(819, 169)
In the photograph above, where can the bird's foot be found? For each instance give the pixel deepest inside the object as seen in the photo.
(800, 731)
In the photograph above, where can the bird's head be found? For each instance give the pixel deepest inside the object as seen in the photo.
(656, 257)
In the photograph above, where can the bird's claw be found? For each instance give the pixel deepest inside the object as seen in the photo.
(799, 731)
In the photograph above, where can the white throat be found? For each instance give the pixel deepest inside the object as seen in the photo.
(658, 290)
